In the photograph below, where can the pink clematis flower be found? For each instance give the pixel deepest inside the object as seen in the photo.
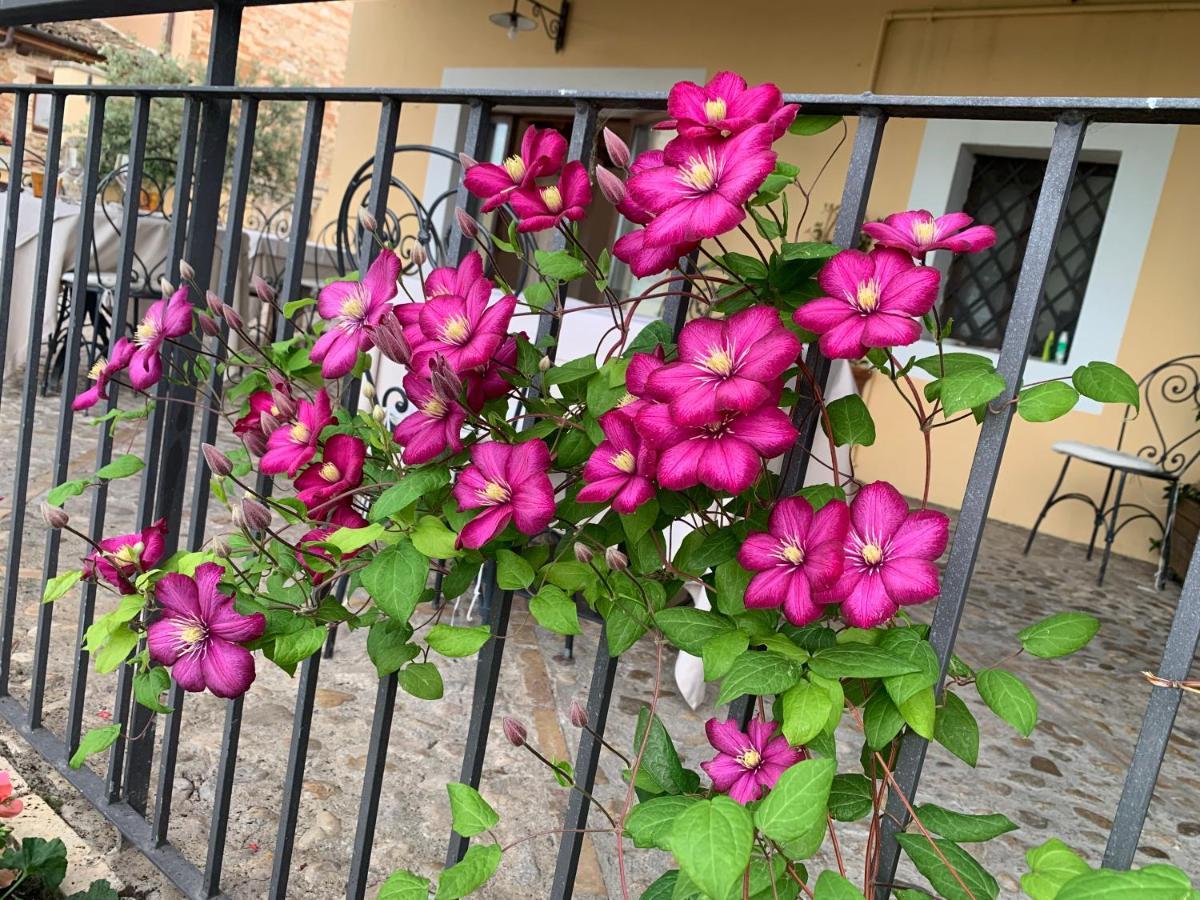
(725, 365)
(121, 559)
(917, 232)
(871, 301)
(509, 483)
(542, 153)
(326, 483)
(250, 426)
(435, 426)
(726, 106)
(699, 190)
(539, 208)
(621, 469)
(641, 367)
(748, 763)
(455, 321)
(164, 319)
(489, 382)
(353, 309)
(889, 556)
(342, 516)
(200, 634)
(101, 372)
(295, 444)
(9, 805)
(643, 257)
(725, 455)
(798, 557)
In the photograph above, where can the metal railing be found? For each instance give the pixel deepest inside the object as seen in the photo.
(173, 433)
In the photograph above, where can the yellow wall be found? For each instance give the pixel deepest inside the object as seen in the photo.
(818, 47)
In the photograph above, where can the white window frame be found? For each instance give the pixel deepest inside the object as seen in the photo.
(1142, 153)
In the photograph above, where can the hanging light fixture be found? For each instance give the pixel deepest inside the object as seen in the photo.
(554, 22)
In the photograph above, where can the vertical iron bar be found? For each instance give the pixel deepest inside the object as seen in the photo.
(474, 146)
(223, 796)
(20, 500)
(1047, 219)
(368, 807)
(310, 151)
(1183, 640)
(8, 250)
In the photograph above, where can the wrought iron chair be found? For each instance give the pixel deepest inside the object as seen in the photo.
(1165, 456)
(144, 274)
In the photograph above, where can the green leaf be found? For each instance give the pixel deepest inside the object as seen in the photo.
(116, 649)
(711, 841)
(559, 265)
(805, 712)
(906, 644)
(1059, 635)
(58, 585)
(650, 823)
(749, 268)
(412, 487)
(422, 680)
(1107, 383)
(347, 540)
(470, 873)
(61, 493)
(388, 646)
(956, 826)
(568, 372)
(41, 860)
(721, 651)
(470, 814)
(148, 687)
(554, 610)
(851, 421)
(456, 640)
(395, 579)
(969, 389)
(656, 334)
(832, 886)
(810, 125)
(433, 539)
(663, 887)
(956, 729)
(689, 628)
(641, 520)
(121, 467)
(758, 674)
(95, 741)
(954, 363)
(702, 550)
(1051, 866)
(513, 573)
(538, 295)
(732, 581)
(1158, 881)
(980, 884)
(850, 797)
(660, 758)
(859, 661)
(808, 250)
(794, 810)
(1008, 697)
(818, 495)
(404, 885)
(920, 712)
(882, 721)
(99, 889)
(1046, 402)
(297, 646)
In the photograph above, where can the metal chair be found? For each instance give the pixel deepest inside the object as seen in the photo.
(1165, 457)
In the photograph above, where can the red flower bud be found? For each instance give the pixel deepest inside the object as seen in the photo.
(262, 290)
(446, 383)
(218, 462)
(514, 731)
(466, 161)
(583, 553)
(186, 272)
(231, 316)
(612, 187)
(617, 561)
(468, 226)
(618, 150)
(215, 304)
(579, 717)
(389, 338)
(268, 423)
(367, 221)
(255, 515)
(283, 402)
(208, 324)
(54, 517)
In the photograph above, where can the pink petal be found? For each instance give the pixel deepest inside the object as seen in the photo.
(758, 552)
(228, 669)
(188, 672)
(726, 737)
(768, 430)
(602, 489)
(924, 535)
(910, 580)
(491, 458)
(656, 189)
(637, 490)
(527, 461)
(231, 625)
(704, 217)
(746, 789)
(177, 595)
(830, 523)
(791, 518)
(883, 329)
(333, 297)
(912, 292)
(145, 368)
(972, 240)
(725, 771)
(845, 341)
(877, 511)
(823, 314)
(380, 279)
(686, 101)
(728, 464)
(484, 527)
(799, 606)
(769, 588)
(162, 639)
(757, 103)
(823, 563)
(678, 464)
(533, 505)
(868, 603)
(844, 272)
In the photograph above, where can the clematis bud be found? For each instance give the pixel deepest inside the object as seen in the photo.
(617, 561)
(466, 161)
(612, 187)
(54, 517)
(579, 716)
(446, 383)
(218, 462)
(231, 316)
(220, 547)
(208, 324)
(262, 290)
(618, 150)
(165, 287)
(544, 364)
(389, 338)
(419, 256)
(367, 221)
(239, 520)
(283, 402)
(514, 731)
(186, 272)
(583, 553)
(255, 442)
(379, 414)
(468, 226)
(255, 515)
(368, 391)
(215, 304)
(268, 423)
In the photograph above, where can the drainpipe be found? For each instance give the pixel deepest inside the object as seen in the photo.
(1008, 12)
(10, 35)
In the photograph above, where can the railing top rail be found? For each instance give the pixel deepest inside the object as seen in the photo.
(1160, 110)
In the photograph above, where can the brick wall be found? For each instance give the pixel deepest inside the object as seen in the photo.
(22, 68)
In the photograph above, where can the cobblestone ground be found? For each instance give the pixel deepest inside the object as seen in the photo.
(1063, 781)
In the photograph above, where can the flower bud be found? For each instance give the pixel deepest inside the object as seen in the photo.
(618, 150)
(579, 717)
(379, 414)
(468, 226)
(367, 221)
(389, 338)
(419, 256)
(186, 272)
(466, 161)
(612, 187)
(544, 364)
(262, 290)
(239, 520)
(514, 731)
(283, 402)
(368, 391)
(215, 304)
(54, 517)
(255, 442)
(208, 324)
(255, 515)
(268, 423)
(218, 462)
(617, 561)
(220, 547)
(231, 316)
(583, 553)
(446, 383)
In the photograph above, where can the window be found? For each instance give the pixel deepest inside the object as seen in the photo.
(1003, 191)
(42, 102)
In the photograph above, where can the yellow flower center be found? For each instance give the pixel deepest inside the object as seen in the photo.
(715, 110)
(625, 462)
(300, 433)
(627, 399)
(434, 408)
(146, 332)
(871, 554)
(495, 492)
(867, 296)
(129, 554)
(750, 759)
(96, 369)
(515, 167)
(456, 330)
(924, 231)
(719, 361)
(355, 306)
(274, 410)
(793, 554)
(552, 197)
(191, 634)
(330, 472)
(699, 174)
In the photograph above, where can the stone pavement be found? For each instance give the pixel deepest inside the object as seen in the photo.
(1064, 780)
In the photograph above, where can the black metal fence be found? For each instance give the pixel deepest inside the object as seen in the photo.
(206, 219)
